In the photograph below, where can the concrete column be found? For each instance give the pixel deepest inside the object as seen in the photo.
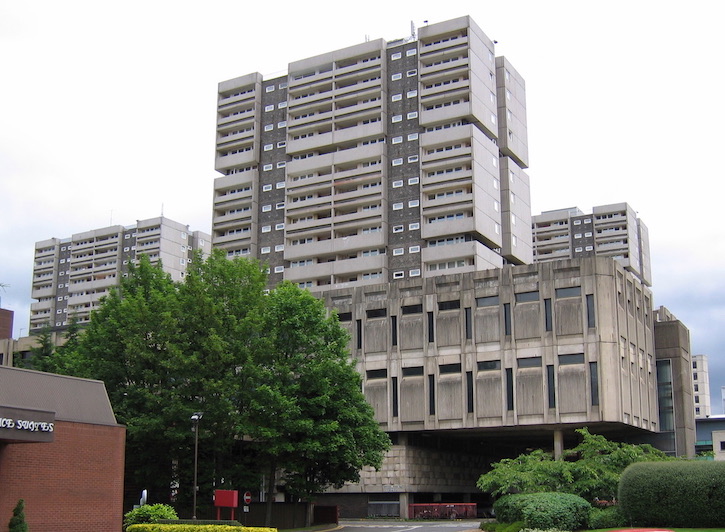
(404, 498)
(558, 444)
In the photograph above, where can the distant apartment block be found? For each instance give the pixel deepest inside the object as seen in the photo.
(701, 386)
(377, 162)
(70, 275)
(609, 231)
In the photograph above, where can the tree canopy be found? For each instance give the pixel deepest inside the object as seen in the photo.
(590, 470)
(270, 372)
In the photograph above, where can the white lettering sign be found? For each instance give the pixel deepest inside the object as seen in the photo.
(24, 424)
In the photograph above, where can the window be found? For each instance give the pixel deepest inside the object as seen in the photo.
(281, 105)
(397, 118)
(266, 250)
(266, 188)
(411, 73)
(266, 228)
(279, 205)
(573, 291)
(269, 127)
(413, 180)
(279, 247)
(278, 269)
(266, 208)
(398, 229)
(268, 108)
(413, 136)
(267, 167)
(396, 97)
(398, 251)
(282, 124)
(281, 164)
(280, 184)
(279, 227)
(398, 275)
(410, 52)
(398, 161)
(397, 206)
(269, 88)
(411, 94)
(530, 362)
(414, 273)
(268, 147)
(396, 77)
(412, 115)
(413, 203)
(414, 249)
(398, 184)
(565, 360)
(397, 140)
(396, 55)
(525, 297)
(412, 158)
(414, 226)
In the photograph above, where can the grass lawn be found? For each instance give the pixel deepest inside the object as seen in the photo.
(664, 528)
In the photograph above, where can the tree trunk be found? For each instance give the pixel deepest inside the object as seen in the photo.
(270, 493)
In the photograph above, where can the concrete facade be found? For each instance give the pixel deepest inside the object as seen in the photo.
(70, 275)
(609, 231)
(518, 356)
(701, 386)
(377, 162)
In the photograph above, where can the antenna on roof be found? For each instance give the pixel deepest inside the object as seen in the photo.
(162, 210)
(111, 221)
(367, 38)
(412, 30)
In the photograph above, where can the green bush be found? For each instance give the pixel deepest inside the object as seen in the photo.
(17, 521)
(606, 518)
(148, 513)
(674, 494)
(544, 510)
(503, 527)
(160, 527)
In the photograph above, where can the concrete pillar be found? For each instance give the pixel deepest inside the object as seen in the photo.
(404, 498)
(558, 444)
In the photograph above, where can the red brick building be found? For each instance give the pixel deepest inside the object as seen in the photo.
(61, 451)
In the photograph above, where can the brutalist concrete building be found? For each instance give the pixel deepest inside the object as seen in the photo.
(388, 178)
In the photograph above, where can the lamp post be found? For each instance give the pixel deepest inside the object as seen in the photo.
(195, 417)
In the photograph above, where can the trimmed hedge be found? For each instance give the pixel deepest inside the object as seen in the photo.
(503, 527)
(674, 494)
(607, 518)
(564, 511)
(159, 527)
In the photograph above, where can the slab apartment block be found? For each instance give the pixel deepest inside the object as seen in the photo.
(70, 275)
(701, 386)
(609, 231)
(389, 179)
(377, 162)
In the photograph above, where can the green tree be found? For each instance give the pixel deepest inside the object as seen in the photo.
(590, 470)
(17, 521)
(307, 416)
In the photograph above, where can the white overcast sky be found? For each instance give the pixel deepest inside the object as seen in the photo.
(107, 114)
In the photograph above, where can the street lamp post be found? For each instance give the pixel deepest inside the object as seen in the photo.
(196, 416)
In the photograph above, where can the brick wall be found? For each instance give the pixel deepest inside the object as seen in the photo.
(74, 484)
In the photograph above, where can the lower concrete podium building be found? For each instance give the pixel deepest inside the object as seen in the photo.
(465, 369)
(61, 451)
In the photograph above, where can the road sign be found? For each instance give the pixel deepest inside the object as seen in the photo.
(247, 497)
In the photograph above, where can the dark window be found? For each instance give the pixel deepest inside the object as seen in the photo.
(416, 371)
(547, 315)
(550, 386)
(358, 333)
(345, 316)
(377, 312)
(577, 358)
(591, 316)
(722, 445)
(449, 305)
(411, 309)
(572, 291)
(469, 331)
(507, 319)
(394, 391)
(431, 331)
(525, 297)
(469, 390)
(489, 301)
(594, 378)
(509, 389)
(394, 329)
(530, 362)
(488, 365)
(376, 374)
(444, 369)
(431, 394)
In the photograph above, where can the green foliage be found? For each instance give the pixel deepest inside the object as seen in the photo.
(503, 527)
(148, 513)
(611, 517)
(590, 470)
(270, 372)
(17, 521)
(156, 527)
(544, 510)
(672, 494)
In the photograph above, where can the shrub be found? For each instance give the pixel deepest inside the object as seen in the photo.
(611, 517)
(17, 521)
(148, 513)
(503, 527)
(159, 527)
(544, 510)
(674, 494)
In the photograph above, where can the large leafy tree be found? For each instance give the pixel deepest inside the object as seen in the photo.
(590, 470)
(270, 373)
